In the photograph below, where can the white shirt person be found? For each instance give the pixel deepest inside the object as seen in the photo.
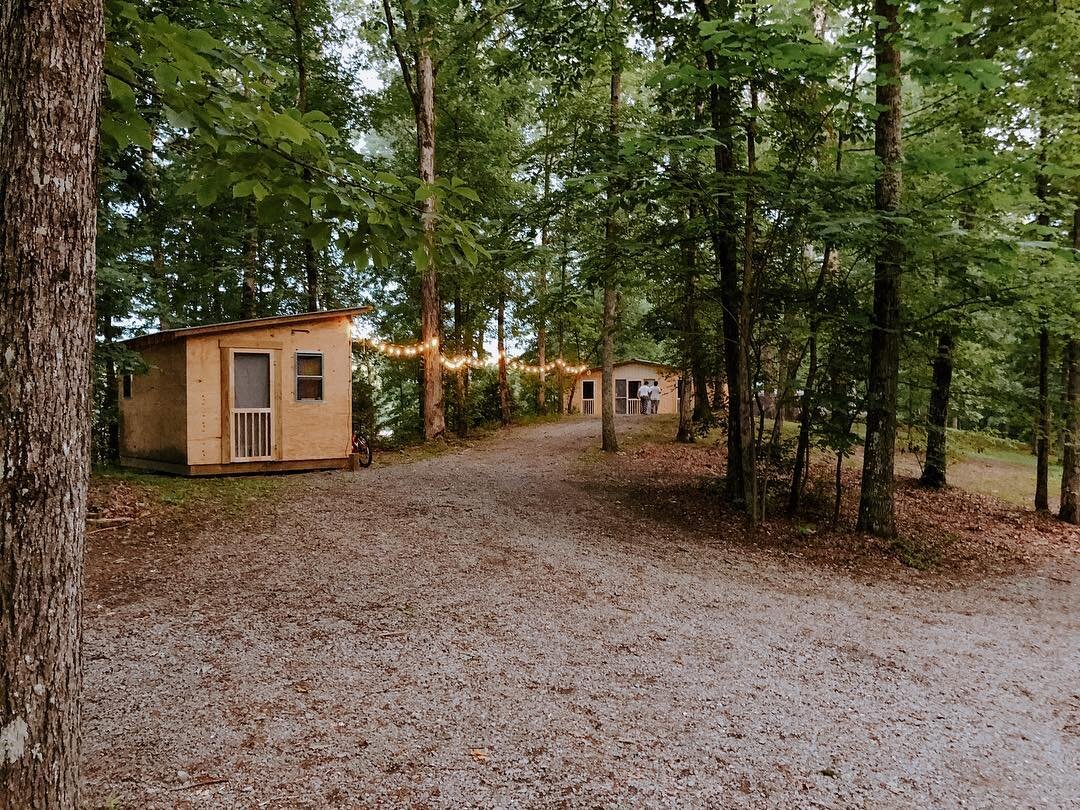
(643, 394)
(654, 397)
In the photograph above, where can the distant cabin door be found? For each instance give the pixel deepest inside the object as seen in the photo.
(252, 419)
(588, 397)
(626, 396)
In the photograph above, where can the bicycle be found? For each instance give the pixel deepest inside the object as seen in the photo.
(360, 447)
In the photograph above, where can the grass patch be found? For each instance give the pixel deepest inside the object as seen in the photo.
(230, 493)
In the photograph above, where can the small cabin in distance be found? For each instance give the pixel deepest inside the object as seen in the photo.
(261, 395)
(630, 375)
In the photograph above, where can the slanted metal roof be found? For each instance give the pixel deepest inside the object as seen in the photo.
(639, 361)
(169, 335)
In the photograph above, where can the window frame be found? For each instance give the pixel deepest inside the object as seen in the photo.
(592, 384)
(126, 385)
(297, 376)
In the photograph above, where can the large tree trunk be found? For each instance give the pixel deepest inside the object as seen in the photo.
(1070, 459)
(933, 474)
(608, 440)
(430, 320)
(735, 302)
(504, 383)
(876, 509)
(50, 86)
(1042, 426)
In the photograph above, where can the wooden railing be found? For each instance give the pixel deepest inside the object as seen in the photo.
(632, 405)
(252, 434)
(588, 406)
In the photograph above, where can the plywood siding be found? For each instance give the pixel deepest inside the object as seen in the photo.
(669, 386)
(152, 422)
(303, 430)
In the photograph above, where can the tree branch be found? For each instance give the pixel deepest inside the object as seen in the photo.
(406, 76)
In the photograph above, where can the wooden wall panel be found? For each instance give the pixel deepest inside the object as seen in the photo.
(152, 423)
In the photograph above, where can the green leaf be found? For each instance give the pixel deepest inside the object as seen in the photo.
(121, 92)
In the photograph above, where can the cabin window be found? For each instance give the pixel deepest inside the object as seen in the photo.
(588, 389)
(127, 386)
(309, 376)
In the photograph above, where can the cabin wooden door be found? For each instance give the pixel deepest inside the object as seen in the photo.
(251, 419)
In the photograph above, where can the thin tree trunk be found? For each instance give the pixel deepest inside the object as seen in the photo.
(933, 474)
(50, 89)
(460, 398)
(838, 489)
(806, 413)
(608, 440)
(541, 295)
(249, 293)
(685, 431)
(735, 302)
(504, 384)
(876, 507)
(296, 15)
(430, 320)
(1042, 426)
(112, 394)
(1070, 457)
(152, 212)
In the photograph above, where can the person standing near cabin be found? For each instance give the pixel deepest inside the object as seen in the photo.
(643, 395)
(654, 397)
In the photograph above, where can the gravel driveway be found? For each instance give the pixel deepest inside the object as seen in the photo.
(478, 629)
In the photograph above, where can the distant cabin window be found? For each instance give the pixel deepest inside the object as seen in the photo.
(588, 389)
(309, 376)
(127, 386)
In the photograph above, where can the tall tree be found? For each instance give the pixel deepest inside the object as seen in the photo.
(50, 80)
(608, 440)
(420, 35)
(296, 20)
(876, 510)
(735, 289)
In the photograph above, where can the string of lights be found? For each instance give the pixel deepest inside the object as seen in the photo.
(458, 361)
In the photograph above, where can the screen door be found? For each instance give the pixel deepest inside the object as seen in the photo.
(252, 416)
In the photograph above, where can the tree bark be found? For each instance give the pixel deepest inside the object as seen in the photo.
(608, 440)
(734, 296)
(876, 507)
(50, 86)
(504, 383)
(933, 474)
(1070, 457)
(1042, 426)
(430, 320)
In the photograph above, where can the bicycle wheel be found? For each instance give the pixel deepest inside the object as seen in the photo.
(361, 448)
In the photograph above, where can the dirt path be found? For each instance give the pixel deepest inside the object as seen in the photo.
(477, 629)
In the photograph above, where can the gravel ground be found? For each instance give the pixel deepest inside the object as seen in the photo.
(477, 629)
